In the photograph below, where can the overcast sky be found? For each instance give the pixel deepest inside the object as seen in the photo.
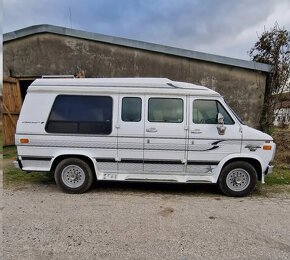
(223, 27)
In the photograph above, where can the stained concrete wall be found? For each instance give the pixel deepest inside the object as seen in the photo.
(44, 54)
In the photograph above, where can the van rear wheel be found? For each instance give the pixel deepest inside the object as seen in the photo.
(237, 179)
(73, 175)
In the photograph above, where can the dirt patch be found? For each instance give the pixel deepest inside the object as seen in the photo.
(166, 212)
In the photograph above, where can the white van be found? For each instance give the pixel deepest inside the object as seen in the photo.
(138, 129)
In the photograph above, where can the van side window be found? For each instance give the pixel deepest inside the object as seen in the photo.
(205, 112)
(131, 109)
(168, 110)
(81, 114)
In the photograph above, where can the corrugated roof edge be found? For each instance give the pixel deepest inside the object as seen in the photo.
(46, 28)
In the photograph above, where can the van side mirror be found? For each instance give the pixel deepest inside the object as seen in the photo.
(220, 118)
(220, 124)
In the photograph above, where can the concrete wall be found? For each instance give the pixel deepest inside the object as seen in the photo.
(46, 53)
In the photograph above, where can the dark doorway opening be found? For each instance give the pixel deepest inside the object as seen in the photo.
(24, 84)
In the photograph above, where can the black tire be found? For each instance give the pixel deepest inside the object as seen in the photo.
(237, 179)
(73, 175)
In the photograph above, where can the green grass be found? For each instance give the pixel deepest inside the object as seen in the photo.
(13, 176)
(9, 152)
(17, 177)
(277, 182)
(280, 176)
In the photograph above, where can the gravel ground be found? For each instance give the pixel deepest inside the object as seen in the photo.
(143, 221)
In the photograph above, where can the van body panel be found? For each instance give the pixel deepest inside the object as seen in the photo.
(253, 143)
(205, 144)
(34, 113)
(165, 141)
(130, 128)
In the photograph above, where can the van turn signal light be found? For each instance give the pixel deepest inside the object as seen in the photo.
(267, 147)
(24, 141)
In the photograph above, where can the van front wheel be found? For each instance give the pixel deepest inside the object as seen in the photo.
(237, 179)
(73, 175)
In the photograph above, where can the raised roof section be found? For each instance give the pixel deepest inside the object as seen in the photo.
(131, 84)
(121, 82)
(45, 28)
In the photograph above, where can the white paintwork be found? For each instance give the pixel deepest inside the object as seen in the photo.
(118, 85)
(179, 152)
(169, 136)
(130, 135)
(204, 135)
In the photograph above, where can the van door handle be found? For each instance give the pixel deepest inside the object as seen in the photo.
(196, 131)
(151, 130)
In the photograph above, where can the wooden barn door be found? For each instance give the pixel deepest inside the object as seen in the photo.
(12, 103)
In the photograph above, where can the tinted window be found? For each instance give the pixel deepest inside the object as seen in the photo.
(81, 114)
(205, 112)
(131, 109)
(168, 110)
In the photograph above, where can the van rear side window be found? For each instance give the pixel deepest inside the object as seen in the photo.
(81, 114)
(131, 109)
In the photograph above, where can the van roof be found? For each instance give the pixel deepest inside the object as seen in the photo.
(131, 85)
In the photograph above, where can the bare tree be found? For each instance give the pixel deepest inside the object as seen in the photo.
(273, 47)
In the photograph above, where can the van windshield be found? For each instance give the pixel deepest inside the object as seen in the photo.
(240, 120)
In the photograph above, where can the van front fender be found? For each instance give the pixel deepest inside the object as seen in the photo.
(237, 157)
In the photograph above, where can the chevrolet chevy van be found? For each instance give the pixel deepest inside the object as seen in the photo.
(138, 129)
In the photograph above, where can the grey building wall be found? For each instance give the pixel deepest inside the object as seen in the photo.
(47, 53)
